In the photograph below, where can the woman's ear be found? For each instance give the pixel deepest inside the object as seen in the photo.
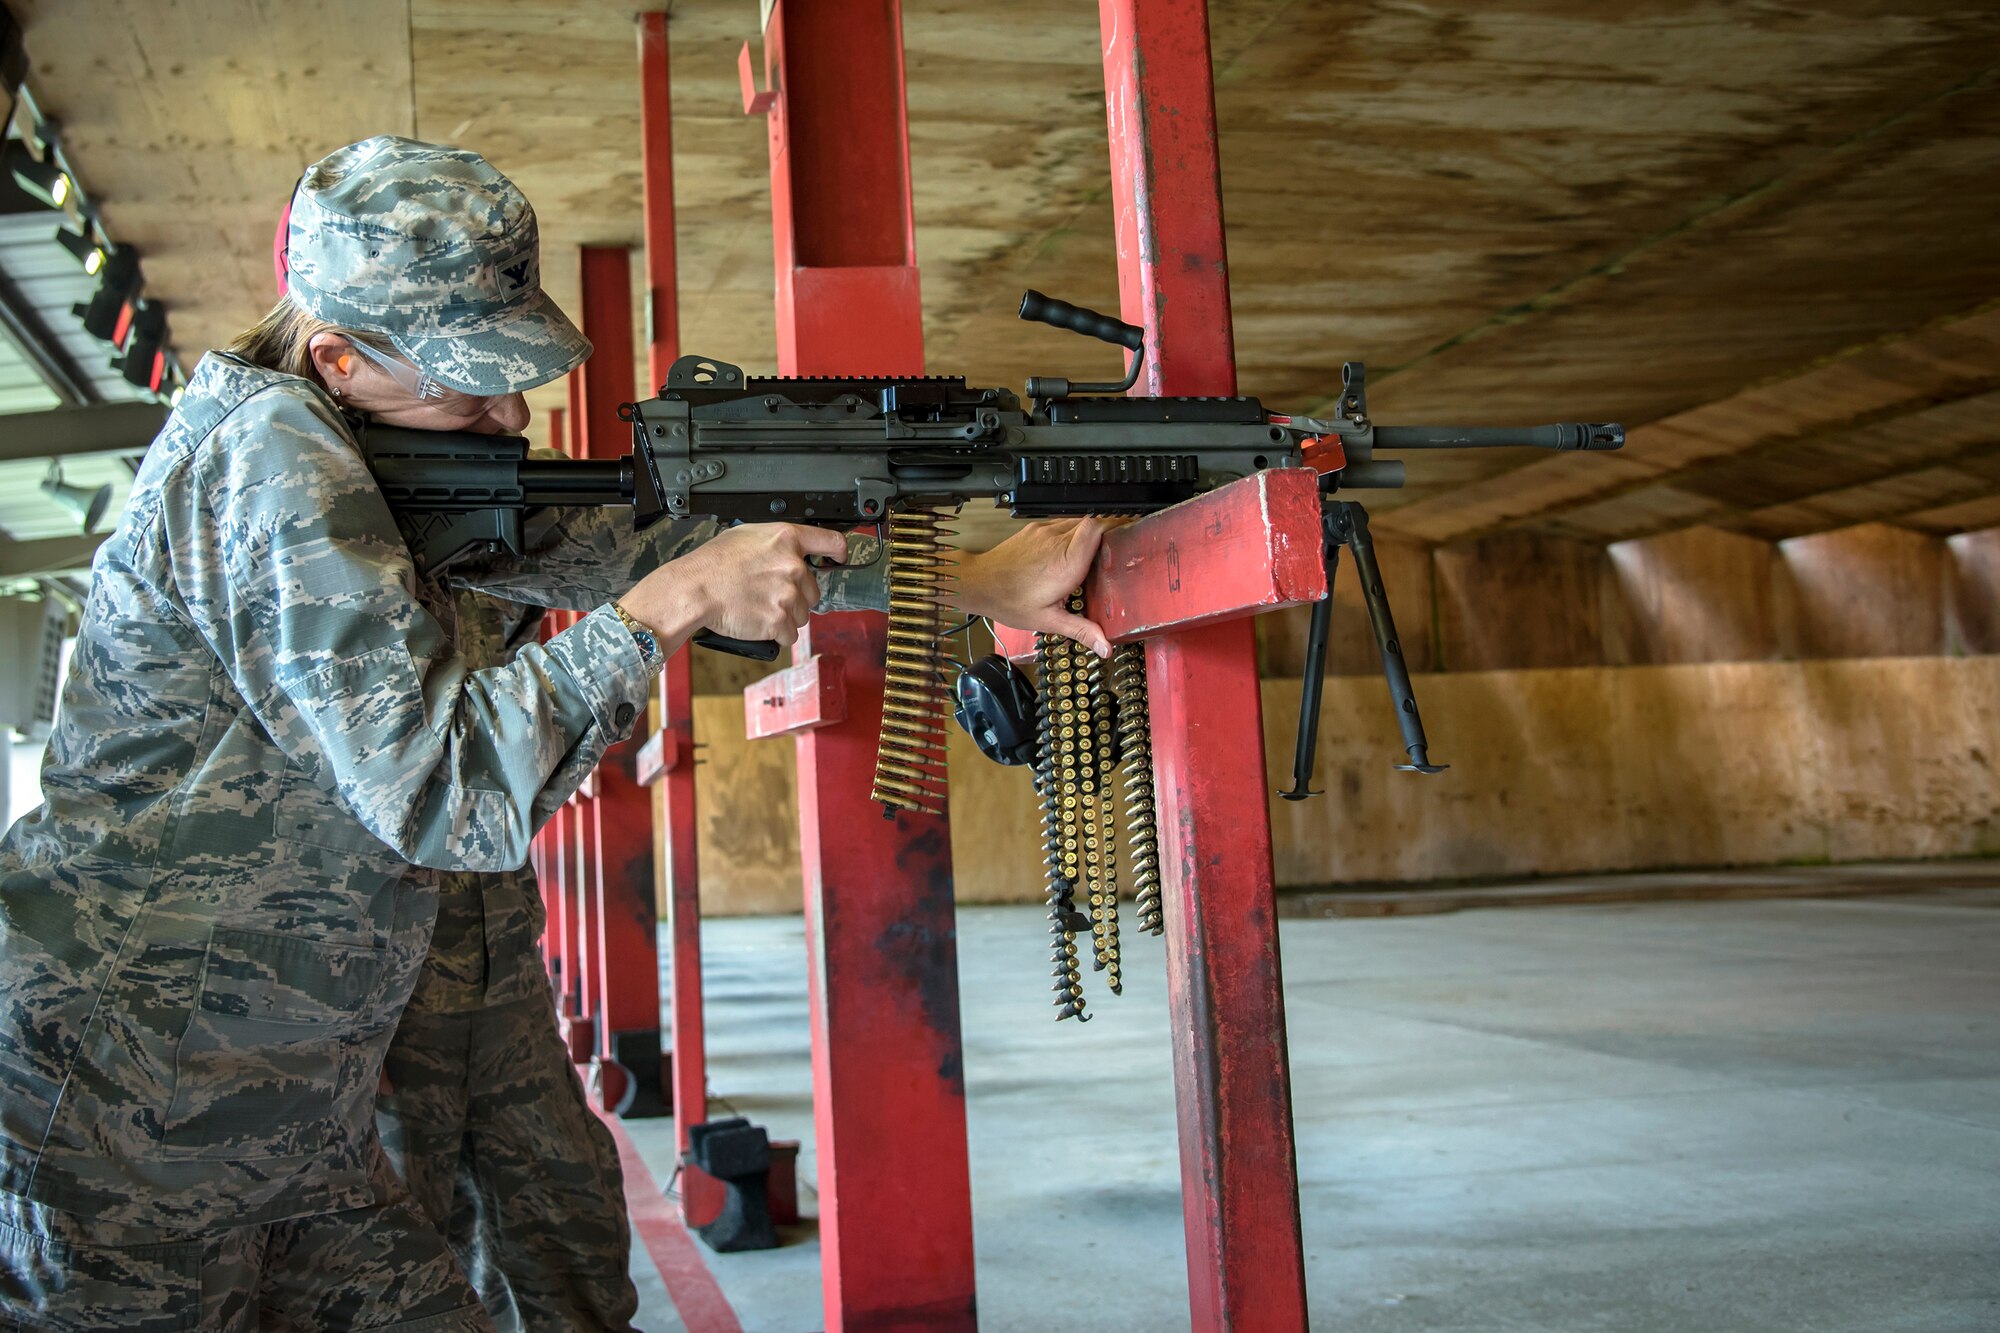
(332, 360)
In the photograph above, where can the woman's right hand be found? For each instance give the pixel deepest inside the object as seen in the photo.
(747, 582)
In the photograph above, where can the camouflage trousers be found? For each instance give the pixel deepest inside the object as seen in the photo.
(378, 1268)
(487, 1122)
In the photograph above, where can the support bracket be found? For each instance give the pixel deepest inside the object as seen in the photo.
(1241, 549)
(804, 698)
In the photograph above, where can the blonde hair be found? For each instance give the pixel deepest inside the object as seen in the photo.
(282, 341)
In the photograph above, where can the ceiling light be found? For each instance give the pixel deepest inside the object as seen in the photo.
(43, 179)
(87, 251)
(145, 360)
(109, 312)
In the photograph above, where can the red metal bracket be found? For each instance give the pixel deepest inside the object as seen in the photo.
(755, 103)
(808, 696)
(1241, 549)
(659, 756)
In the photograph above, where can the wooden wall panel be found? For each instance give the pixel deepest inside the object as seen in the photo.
(747, 799)
(747, 805)
(1867, 591)
(1552, 772)
(1904, 755)
(1567, 771)
(1972, 592)
(1698, 595)
(1521, 600)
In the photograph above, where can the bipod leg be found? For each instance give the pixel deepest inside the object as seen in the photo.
(1352, 522)
(1314, 681)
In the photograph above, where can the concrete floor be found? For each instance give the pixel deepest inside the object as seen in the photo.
(1708, 1116)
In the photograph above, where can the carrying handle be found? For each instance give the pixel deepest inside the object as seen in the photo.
(1063, 315)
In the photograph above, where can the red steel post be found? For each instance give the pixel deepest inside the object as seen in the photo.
(544, 854)
(565, 821)
(701, 1194)
(888, 1080)
(1239, 1177)
(622, 971)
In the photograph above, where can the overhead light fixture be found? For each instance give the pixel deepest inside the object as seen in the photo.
(144, 362)
(109, 313)
(85, 503)
(41, 178)
(87, 251)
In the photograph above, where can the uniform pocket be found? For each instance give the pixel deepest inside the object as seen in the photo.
(270, 1049)
(340, 882)
(47, 1283)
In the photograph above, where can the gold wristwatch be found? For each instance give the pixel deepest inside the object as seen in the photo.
(648, 642)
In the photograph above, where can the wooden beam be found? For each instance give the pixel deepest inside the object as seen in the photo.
(48, 557)
(1620, 495)
(1868, 591)
(1968, 516)
(64, 432)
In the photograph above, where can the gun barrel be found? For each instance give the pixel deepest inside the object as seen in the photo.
(1562, 435)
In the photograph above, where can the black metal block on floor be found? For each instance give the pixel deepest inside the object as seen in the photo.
(738, 1154)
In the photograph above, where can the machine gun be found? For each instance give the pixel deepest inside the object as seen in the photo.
(901, 454)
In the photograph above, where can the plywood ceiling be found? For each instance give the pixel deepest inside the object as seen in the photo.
(1688, 217)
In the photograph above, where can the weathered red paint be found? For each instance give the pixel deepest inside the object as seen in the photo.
(811, 694)
(888, 1081)
(1245, 548)
(701, 1195)
(888, 1088)
(843, 231)
(542, 851)
(659, 756)
(756, 101)
(1239, 1179)
(621, 967)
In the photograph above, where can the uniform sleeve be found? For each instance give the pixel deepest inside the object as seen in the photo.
(291, 566)
(591, 555)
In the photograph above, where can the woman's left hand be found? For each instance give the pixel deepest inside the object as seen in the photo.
(1025, 581)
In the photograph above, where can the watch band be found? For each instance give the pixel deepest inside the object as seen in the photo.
(647, 641)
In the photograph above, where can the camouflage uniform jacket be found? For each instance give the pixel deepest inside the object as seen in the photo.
(208, 930)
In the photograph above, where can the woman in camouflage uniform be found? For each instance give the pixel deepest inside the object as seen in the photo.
(272, 750)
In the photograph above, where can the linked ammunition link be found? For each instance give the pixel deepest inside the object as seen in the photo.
(1056, 779)
(1100, 816)
(909, 761)
(1135, 748)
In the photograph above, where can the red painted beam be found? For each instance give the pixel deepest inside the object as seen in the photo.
(843, 229)
(888, 1072)
(659, 756)
(701, 1195)
(622, 971)
(542, 851)
(888, 1085)
(1242, 549)
(1239, 1177)
(812, 694)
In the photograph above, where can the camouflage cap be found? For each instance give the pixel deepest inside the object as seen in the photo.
(436, 250)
